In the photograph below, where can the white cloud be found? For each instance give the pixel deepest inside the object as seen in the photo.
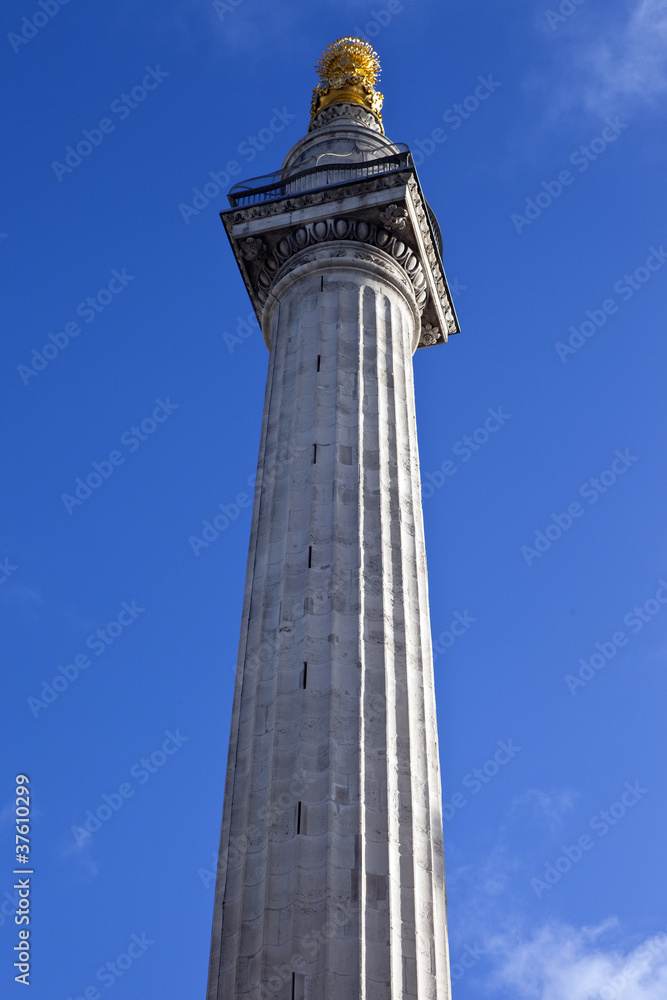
(522, 960)
(620, 64)
(632, 63)
(560, 962)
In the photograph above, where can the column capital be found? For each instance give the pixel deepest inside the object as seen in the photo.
(377, 202)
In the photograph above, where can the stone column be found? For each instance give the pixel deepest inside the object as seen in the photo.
(331, 878)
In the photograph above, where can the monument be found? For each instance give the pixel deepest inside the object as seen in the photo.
(331, 880)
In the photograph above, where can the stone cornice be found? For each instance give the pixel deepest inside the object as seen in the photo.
(387, 212)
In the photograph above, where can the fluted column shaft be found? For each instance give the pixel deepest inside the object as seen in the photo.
(331, 875)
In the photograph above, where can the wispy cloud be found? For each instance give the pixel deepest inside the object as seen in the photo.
(560, 962)
(79, 857)
(613, 63)
(494, 886)
(544, 808)
(548, 961)
(631, 63)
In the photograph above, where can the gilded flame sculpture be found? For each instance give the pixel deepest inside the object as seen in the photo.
(348, 69)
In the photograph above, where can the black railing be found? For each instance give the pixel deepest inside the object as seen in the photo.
(273, 186)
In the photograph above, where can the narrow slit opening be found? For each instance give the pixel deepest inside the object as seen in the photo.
(314, 454)
(319, 356)
(310, 556)
(305, 674)
(298, 819)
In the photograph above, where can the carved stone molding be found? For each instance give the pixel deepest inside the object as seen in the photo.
(349, 112)
(354, 230)
(347, 251)
(432, 256)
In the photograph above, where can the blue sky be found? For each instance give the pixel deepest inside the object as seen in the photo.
(539, 133)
